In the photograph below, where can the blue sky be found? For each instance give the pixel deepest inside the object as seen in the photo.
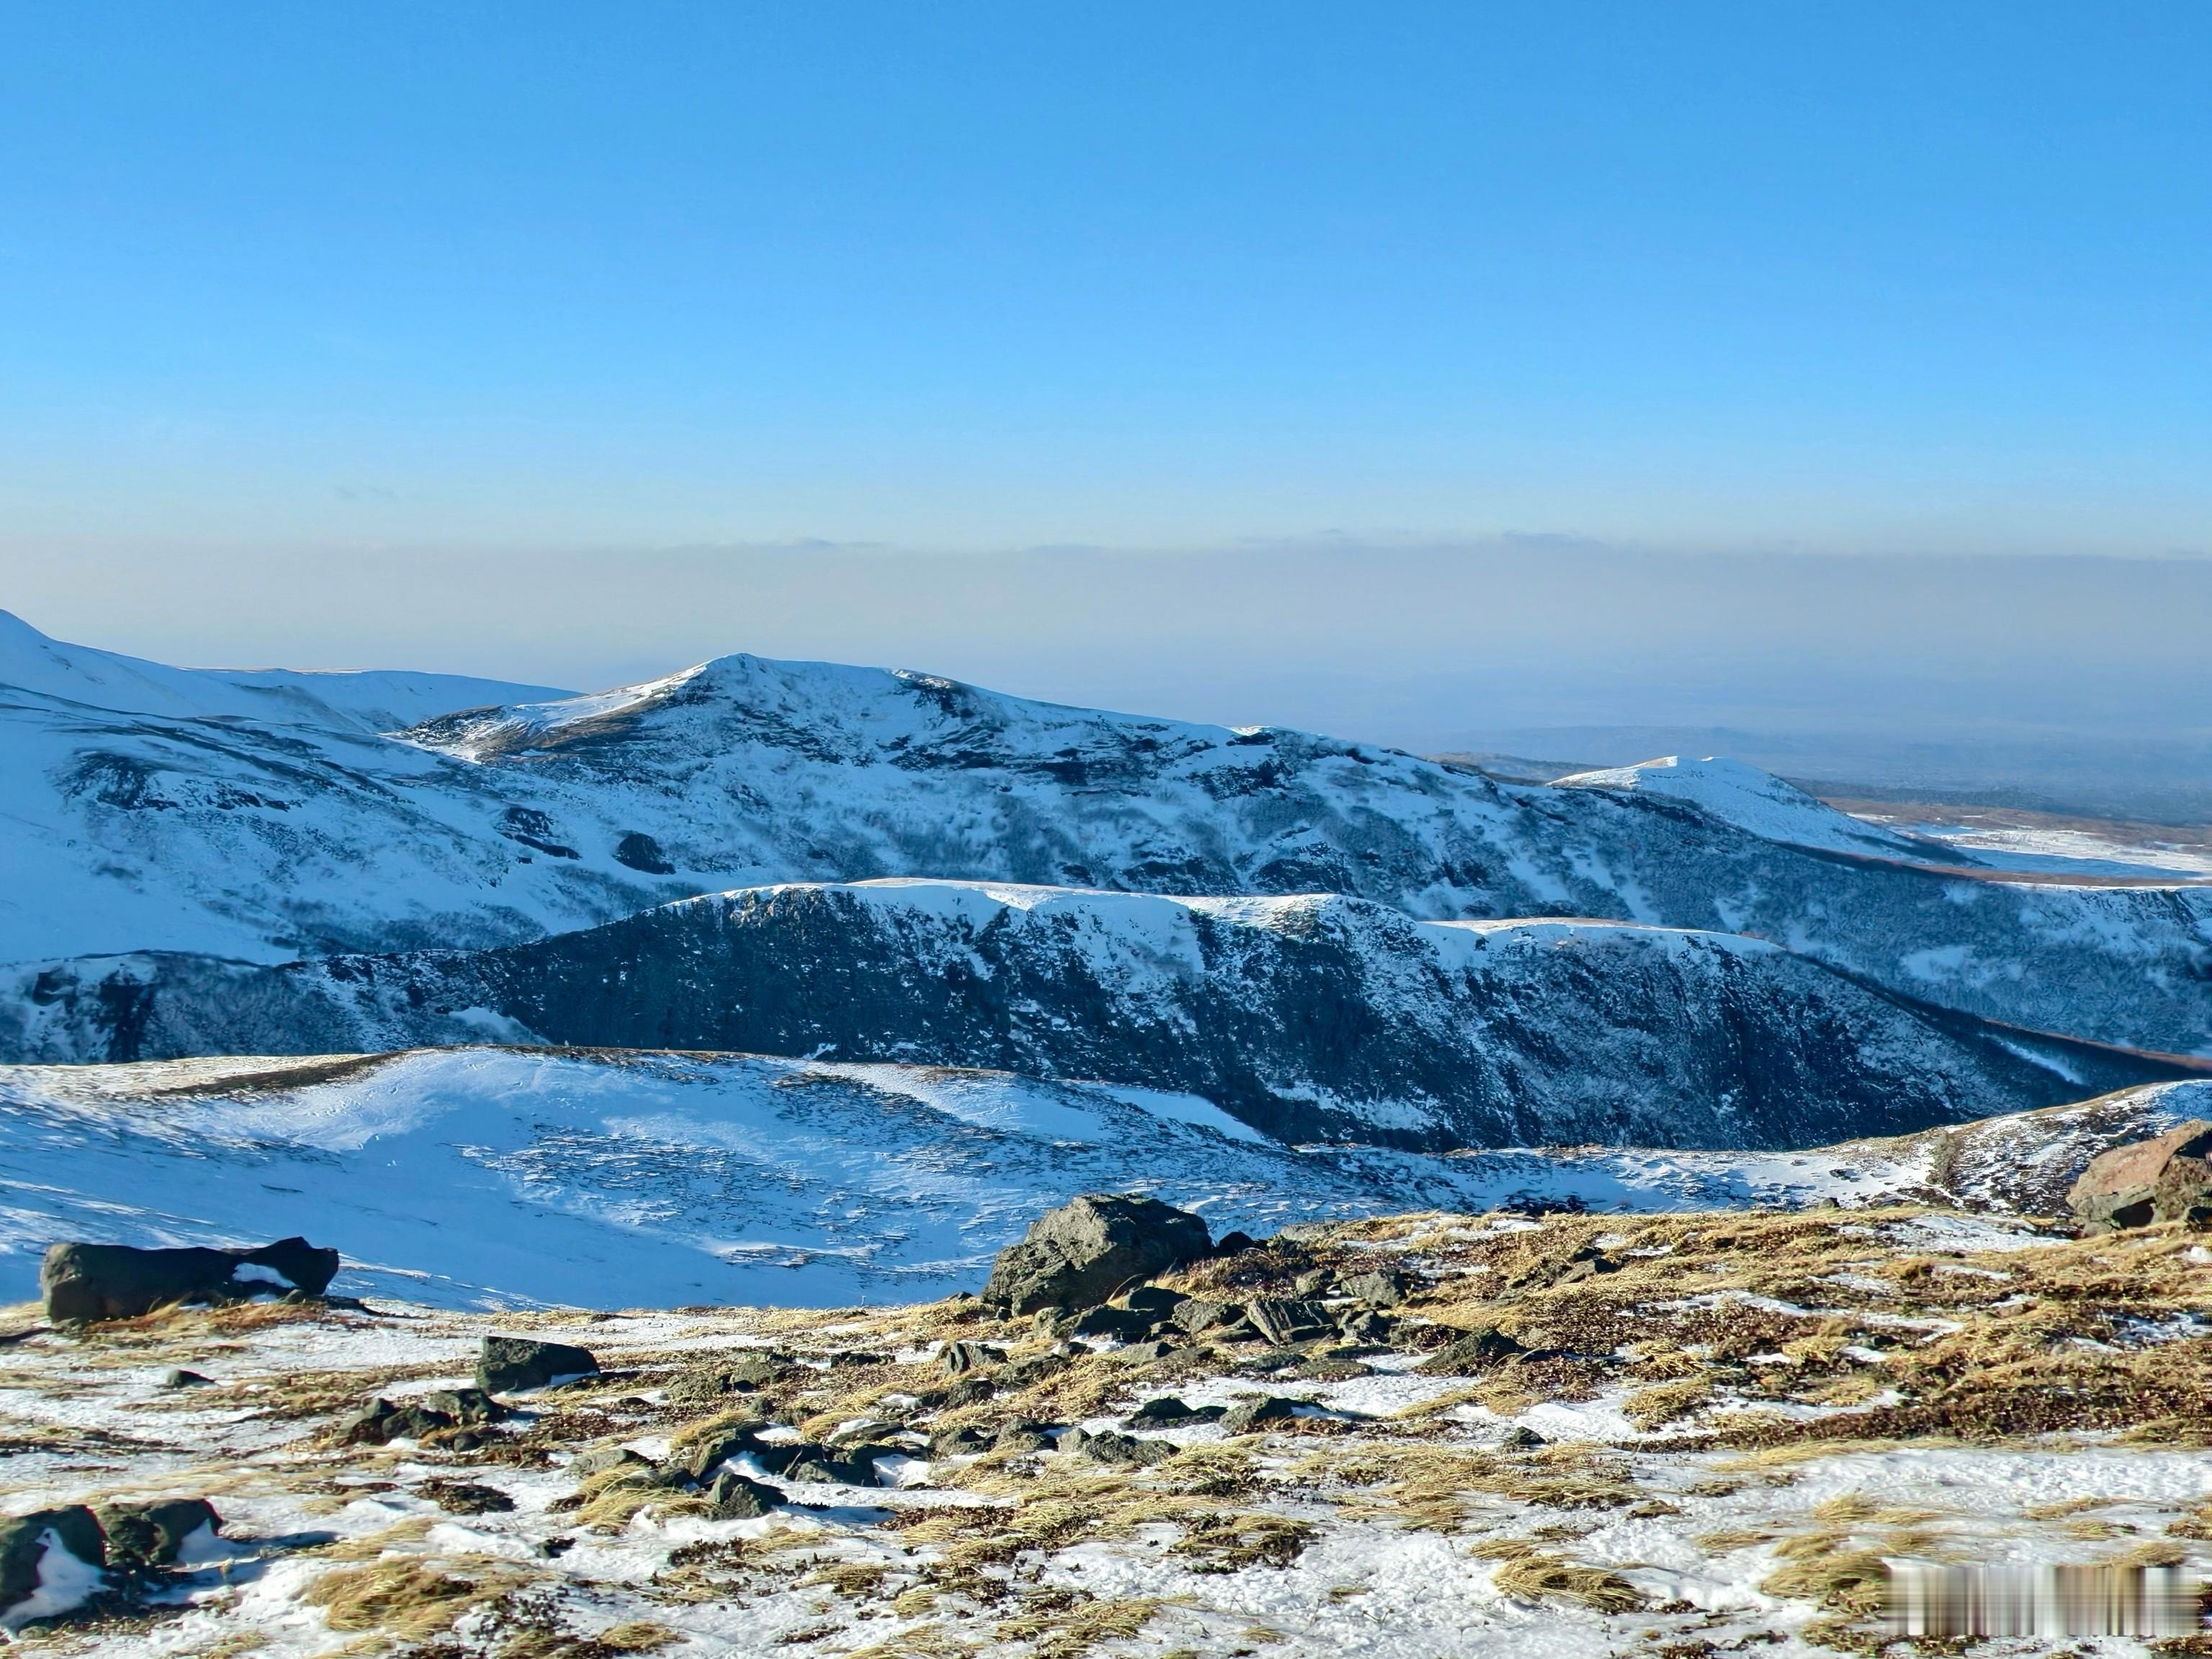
(1848, 276)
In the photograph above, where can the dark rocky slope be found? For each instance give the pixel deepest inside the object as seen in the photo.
(1307, 1018)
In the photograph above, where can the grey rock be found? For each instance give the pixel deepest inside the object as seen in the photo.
(1478, 1351)
(184, 1379)
(958, 1358)
(1105, 1446)
(1167, 1409)
(117, 1281)
(1083, 1252)
(1381, 1288)
(1023, 1434)
(512, 1363)
(25, 1539)
(735, 1497)
(1249, 1414)
(141, 1535)
(471, 1407)
(1195, 1313)
(1286, 1322)
(600, 1459)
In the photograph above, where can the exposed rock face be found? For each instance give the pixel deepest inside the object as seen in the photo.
(2165, 1179)
(509, 1363)
(1312, 1018)
(116, 1281)
(1081, 1254)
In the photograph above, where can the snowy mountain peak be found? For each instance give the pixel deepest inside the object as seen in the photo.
(370, 701)
(1756, 801)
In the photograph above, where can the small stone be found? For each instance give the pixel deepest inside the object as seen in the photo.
(1524, 1436)
(184, 1379)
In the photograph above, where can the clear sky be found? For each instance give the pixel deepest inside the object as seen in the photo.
(1834, 276)
(1412, 371)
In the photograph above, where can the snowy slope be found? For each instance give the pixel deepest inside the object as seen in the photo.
(1307, 1017)
(141, 831)
(491, 1177)
(367, 701)
(1758, 802)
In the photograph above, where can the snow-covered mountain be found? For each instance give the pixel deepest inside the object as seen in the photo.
(1314, 1017)
(257, 838)
(492, 1178)
(1761, 802)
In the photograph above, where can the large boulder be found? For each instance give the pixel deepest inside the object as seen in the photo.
(509, 1363)
(2165, 1179)
(117, 1281)
(51, 1560)
(1083, 1252)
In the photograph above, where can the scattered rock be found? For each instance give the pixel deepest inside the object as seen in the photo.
(2165, 1179)
(184, 1379)
(1023, 1434)
(1079, 1254)
(1105, 1446)
(1249, 1414)
(117, 1281)
(382, 1421)
(969, 1391)
(1524, 1436)
(600, 1459)
(1195, 1314)
(1235, 1244)
(961, 1358)
(1154, 1301)
(694, 1463)
(471, 1407)
(141, 1535)
(1383, 1288)
(964, 1441)
(24, 1540)
(1317, 1282)
(1155, 1414)
(1286, 1322)
(509, 1363)
(1481, 1350)
(1114, 1324)
(467, 1497)
(734, 1497)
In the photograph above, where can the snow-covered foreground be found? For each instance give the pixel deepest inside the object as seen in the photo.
(491, 1177)
(1772, 1407)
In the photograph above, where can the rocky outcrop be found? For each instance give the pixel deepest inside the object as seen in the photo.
(1081, 1254)
(2168, 1178)
(117, 1281)
(509, 1363)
